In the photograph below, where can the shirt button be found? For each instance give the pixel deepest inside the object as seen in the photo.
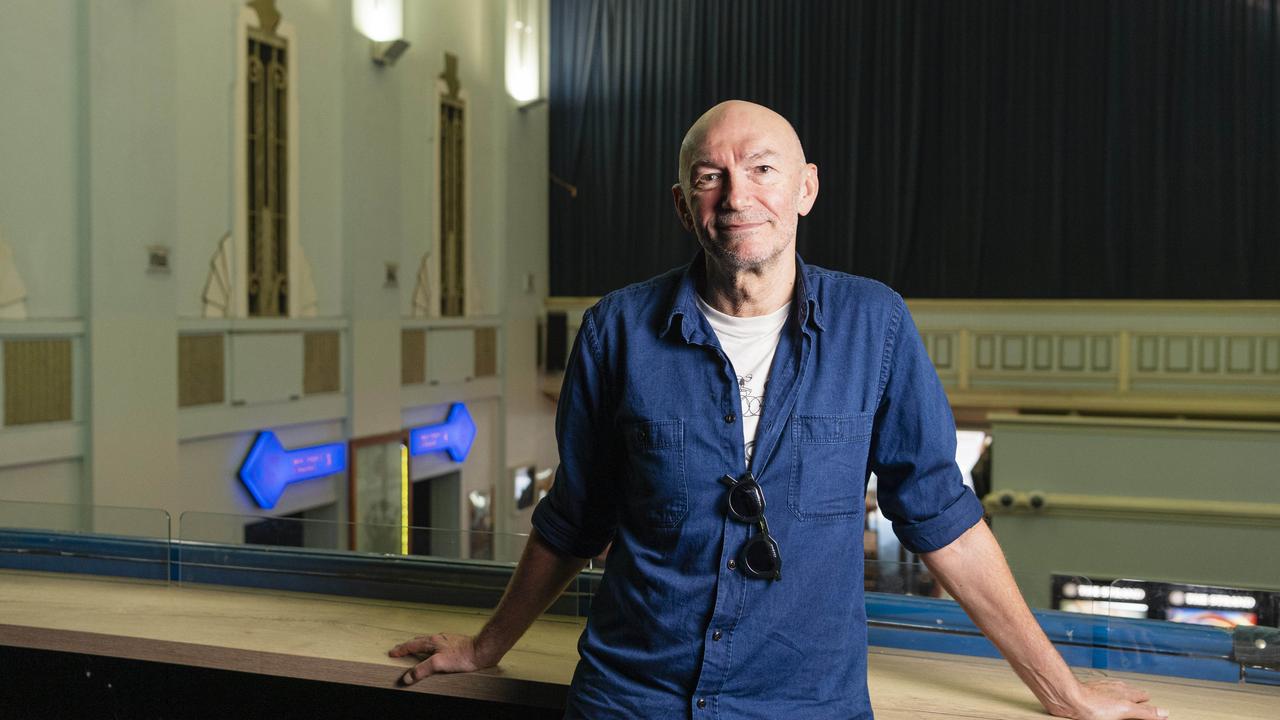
(733, 564)
(730, 418)
(717, 635)
(702, 702)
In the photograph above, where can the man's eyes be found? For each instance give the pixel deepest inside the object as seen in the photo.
(712, 178)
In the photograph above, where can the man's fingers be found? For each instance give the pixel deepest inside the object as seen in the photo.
(427, 668)
(1120, 689)
(1149, 712)
(413, 647)
(1128, 692)
(1136, 695)
(419, 671)
(1143, 711)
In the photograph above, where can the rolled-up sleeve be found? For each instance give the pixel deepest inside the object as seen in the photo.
(913, 452)
(579, 515)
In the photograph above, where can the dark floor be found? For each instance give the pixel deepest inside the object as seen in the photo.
(42, 685)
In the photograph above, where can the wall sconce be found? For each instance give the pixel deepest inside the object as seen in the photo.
(382, 21)
(524, 51)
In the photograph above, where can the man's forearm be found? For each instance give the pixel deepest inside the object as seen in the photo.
(973, 570)
(539, 578)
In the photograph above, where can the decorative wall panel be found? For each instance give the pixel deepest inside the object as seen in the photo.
(37, 381)
(267, 63)
(1177, 353)
(452, 184)
(1101, 346)
(322, 363)
(1206, 357)
(985, 352)
(1240, 355)
(1149, 357)
(1042, 352)
(1013, 352)
(486, 352)
(1210, 354)
(1071, 353)
(1271, 355)
(1148, 353)
(413, 357)
(201, 370)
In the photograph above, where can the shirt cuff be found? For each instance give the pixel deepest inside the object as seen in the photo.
(562, 536)
(942, 529)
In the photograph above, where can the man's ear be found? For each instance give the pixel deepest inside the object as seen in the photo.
(682, 207)
(808, 189)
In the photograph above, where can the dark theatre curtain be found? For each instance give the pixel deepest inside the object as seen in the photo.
(983, 148)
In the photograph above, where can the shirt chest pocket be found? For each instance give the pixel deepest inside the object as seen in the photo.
(656, 491)
(829, 467)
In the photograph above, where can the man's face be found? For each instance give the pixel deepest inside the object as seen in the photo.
(744, 185)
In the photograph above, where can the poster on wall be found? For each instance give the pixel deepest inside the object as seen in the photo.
(379, 495)
(530, 485)
(480, 523)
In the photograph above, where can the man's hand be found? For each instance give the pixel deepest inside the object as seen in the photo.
(539, 578)
(972, 568)
(1112, 700)
(442, 653)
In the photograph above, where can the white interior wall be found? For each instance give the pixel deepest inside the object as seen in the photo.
(39, 151)
(530, 413)
(323, 28)
(474, 33)
(52, 482)
(131, 325)
(122, 139)
(202, 183)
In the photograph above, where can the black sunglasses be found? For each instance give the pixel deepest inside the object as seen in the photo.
(760, 557)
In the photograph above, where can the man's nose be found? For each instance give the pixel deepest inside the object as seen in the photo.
(736, 195)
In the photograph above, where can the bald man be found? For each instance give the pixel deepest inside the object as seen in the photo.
(723, 417)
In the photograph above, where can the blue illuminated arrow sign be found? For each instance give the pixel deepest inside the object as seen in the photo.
(268, 467)
(454, 435)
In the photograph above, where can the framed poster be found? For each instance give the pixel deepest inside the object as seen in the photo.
(380, 494)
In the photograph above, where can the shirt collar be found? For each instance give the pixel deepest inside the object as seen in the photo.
(684, 302)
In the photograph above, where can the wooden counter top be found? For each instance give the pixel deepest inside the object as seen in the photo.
(345, 640)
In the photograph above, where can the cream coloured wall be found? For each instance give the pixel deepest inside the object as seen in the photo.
(51, 482)
(40, 150)
(135, 143)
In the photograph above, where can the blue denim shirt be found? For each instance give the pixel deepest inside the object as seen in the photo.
(649, 420)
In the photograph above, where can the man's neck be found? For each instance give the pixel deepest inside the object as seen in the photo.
(749, 292)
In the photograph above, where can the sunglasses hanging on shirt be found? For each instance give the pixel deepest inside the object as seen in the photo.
(759, 557)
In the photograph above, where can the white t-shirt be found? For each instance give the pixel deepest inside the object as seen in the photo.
(750, 343)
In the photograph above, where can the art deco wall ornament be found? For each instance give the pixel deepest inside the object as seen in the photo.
(219, 286)
(450, 76)
(268, 137)
(452, 188)
(268, 15)
(422, 288)
(304, 298)
(13, 292)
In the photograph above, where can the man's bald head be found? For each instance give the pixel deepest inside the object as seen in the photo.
(736, 114)
(744, 184)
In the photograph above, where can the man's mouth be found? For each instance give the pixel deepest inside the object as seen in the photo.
(738, 227)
